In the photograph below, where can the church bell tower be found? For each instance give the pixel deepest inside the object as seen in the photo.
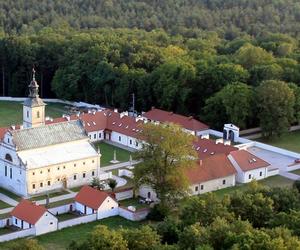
(33, 106)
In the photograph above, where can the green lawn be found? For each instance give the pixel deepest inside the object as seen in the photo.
(5, 230)
(60, 203)
(61, 239)
(10, 194)
(296, 172)
(273, 181)
(107, 152)
(67, 216)
(44, 196)
(11, 112)
(133, 202)
(4, 205)
(290, 141)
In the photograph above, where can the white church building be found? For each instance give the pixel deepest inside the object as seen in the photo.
(39, 158)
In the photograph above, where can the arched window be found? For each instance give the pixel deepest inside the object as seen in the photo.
(8, 157)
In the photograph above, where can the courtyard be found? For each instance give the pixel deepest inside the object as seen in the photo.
(107, 153)
(11, 113)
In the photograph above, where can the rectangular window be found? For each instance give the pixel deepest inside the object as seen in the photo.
(16, 221)
(48, 170)
(196, 188)
(93, 173)
(5, 170)
(41, 184)
(99, 135)
(130, 142)
(27, 114)
(249, 176)
(224, 182)
(119, 138)
(90, 136)
(83, 175)
(83, 163)
(74, 177)
(49, 183)
(260, 173)
(201, 187)
(33, 173)
(95, 136)
(57, 168)
(74, 164)
(10, 173)
(136, 144)
(93, 161)
(33, 186)
(64, 167)
(41, 172)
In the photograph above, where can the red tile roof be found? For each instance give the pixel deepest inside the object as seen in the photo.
(91, 197)
(2, 133)
(106, 119)
(248, 161)
(28, 211)
(206, 148)
(189, 123)
(213, 167)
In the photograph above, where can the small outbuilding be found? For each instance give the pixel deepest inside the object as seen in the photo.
(249, 167)
(28, 214)
(90, 200)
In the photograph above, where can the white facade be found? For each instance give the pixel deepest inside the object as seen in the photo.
(212, 185)
(108, 208)
(148, 192)
(47, 223)
(249, 175)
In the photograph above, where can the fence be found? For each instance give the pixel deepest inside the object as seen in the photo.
(77, 221)
(138, 215)
(17, 234)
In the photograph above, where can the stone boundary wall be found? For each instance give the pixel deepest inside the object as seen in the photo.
(77, 221)
(138, 215)
(17, 234)
(124, 194)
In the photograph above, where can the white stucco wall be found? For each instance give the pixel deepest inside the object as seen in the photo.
(212, 185)
(108, 208)
(145, 190)
(18, 223)
(255, 174)
(47, 223)
(81, 207)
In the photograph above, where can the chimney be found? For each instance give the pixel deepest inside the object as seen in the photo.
(116, 110)
(152, 107)
(190, 117)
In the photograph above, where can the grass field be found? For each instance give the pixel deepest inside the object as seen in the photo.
(11, 112)
(133, 202)
(51, 195)
(61, 239)
(273, 181)
(10, 194)
(290, 141)
(67, 216)
(296, 172)
(4, 205)
(107, 152)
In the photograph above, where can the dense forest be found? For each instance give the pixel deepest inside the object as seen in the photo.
(210, 59)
